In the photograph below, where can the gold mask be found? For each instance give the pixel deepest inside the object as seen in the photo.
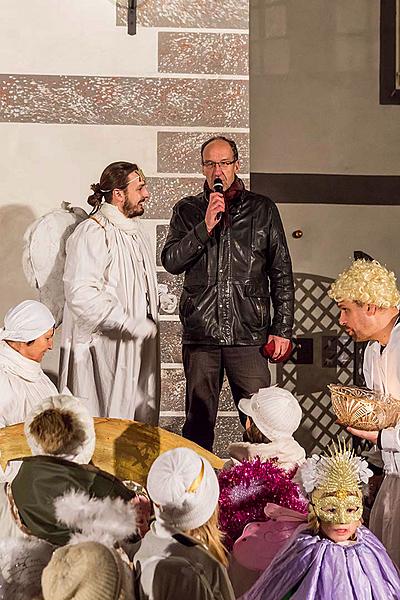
(338, 508)
(333, 482)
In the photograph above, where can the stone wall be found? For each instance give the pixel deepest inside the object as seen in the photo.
(78, 93)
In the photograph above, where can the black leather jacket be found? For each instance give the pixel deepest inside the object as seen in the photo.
(231, 275)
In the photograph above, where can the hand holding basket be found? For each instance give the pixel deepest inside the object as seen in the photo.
(364, 409)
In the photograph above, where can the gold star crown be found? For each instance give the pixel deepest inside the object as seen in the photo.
(338, 471)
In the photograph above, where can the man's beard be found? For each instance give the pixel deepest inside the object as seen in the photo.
(357, 336)
(132, 211)
(351, 333)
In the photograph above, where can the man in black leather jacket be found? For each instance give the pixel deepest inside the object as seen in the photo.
(232, 248)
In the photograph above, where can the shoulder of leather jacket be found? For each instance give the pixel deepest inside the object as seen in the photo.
(254, 196)
(196, 200)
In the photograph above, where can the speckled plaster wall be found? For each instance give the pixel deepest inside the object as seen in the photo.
(77, 93)
(218, 14)
(123, 101)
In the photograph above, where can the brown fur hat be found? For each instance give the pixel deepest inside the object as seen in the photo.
(61, 425)
(55, 430)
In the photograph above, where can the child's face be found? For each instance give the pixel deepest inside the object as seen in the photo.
(338, 532)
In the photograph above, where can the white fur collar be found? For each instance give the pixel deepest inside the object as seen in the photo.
(288, 452)
(106, 520)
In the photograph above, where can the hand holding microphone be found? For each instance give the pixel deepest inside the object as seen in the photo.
(216, 205)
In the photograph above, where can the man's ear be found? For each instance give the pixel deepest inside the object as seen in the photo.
(371, 310)
(117, 196)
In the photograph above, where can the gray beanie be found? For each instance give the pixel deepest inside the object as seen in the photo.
(86, 571)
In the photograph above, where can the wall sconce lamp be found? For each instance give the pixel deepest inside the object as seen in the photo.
(132, 6)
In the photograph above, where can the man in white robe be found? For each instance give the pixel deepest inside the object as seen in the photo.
(109, 345)
(368, 300)
(25, 338)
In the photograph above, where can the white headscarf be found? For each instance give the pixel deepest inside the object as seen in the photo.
(184, 489)
(26, 322)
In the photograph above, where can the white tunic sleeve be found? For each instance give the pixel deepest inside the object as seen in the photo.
(367, 366)
(382, 373)
(10, 410)
(92, 303)
(390, 439)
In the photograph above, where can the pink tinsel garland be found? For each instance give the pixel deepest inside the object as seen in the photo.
(246, 488)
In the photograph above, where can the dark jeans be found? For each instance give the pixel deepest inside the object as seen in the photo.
(246, 370)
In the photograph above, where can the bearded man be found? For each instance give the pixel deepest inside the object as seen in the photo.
(109, 346)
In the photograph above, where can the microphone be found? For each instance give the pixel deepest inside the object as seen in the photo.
(219, 187)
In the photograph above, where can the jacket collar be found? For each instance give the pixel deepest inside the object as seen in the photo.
(232, 193)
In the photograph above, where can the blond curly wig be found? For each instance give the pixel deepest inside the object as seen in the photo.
(366, 282)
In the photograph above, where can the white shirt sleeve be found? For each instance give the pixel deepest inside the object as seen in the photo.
(390, 439)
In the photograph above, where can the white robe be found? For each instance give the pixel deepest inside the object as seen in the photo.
(23, 385)
(382, 373)
(382, 370)
(108, 279)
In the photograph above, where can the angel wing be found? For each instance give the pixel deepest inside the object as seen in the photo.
(43, 256)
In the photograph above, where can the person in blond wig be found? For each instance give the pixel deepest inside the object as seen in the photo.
(182, 555)
(368, 300)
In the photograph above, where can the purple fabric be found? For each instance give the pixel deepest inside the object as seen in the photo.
(324, 570)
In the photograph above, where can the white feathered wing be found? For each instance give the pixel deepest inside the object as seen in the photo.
(43, 258)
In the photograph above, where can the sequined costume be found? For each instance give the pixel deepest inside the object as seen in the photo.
(314, 567)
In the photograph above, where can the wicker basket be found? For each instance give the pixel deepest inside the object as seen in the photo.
(364, 409)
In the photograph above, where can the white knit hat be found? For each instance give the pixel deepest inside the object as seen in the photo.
(26, 322)
(275, 411)
(184, 489)
(87, 571)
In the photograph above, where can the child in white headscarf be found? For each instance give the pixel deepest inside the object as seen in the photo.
(25, 338)
(273, 415)
(182, 555)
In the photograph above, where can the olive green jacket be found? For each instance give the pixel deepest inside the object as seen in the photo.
(42, 479)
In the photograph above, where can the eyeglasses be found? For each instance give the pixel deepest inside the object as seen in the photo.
(211, 164)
